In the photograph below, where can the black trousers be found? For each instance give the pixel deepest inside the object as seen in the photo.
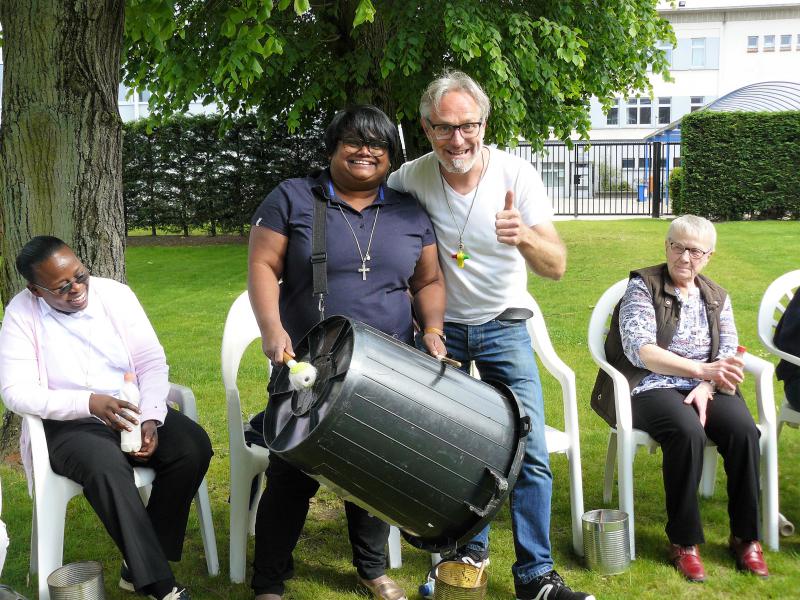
(791, 388)
(676, 426)
(281, 515)
(88, 452)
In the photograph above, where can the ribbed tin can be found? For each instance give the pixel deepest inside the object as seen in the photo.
(77, 581)
(459, 581)
(606, 541)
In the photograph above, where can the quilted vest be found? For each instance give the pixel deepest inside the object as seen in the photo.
(668, 311)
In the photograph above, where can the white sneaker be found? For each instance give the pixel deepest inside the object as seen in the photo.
(175, 594)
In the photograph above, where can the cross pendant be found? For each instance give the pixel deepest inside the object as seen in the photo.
(363, 270)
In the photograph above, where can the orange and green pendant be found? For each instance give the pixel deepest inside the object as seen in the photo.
(460, 256)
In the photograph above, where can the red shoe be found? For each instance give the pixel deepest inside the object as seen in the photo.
(686, 559)
(749, 556)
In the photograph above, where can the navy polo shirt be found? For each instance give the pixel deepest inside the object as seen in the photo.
(382, 300)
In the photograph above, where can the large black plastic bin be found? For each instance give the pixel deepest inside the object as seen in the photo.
(424, 446)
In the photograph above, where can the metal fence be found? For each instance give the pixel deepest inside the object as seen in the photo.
(606, 178)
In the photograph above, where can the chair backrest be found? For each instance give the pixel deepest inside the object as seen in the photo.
(240, 330)
(599, 321)
(773, 305)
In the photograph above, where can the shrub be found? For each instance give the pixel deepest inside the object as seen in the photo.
(741, 165)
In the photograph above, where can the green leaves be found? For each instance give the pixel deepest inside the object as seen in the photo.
(365, 12)
(540, 62)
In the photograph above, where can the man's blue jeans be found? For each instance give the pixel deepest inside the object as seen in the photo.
(502, 352)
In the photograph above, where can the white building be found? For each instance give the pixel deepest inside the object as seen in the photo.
(721, 47)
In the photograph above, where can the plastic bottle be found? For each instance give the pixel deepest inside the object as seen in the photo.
(740, 350)
(131, 441)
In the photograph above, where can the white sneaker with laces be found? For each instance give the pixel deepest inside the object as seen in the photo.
(175, 594)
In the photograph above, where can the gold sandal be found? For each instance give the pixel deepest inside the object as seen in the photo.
(384, 588)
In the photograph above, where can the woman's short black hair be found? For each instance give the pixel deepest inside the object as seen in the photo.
(365, 121)
(36, 251)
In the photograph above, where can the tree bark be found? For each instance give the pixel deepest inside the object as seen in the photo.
(60, 137)
(60, 132)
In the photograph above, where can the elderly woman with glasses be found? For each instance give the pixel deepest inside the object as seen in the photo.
(381, 261)
(673, 337)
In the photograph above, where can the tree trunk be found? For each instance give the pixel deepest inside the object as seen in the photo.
(60, 137)
(60, 132)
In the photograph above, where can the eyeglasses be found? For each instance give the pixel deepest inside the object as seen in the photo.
(65, 289)
(694, 253)
(444, 131)
(376, 147)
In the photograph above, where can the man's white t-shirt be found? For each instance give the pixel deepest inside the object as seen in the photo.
(495, 275)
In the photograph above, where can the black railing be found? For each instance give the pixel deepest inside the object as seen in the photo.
(606, 178)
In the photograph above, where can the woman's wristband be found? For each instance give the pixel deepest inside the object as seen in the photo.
(436, 331)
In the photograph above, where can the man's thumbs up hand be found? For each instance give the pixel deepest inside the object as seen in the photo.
(508, 223)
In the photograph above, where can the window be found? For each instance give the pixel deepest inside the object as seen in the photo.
(752, 43)
(769, 43)
(144, 96)
(639, 111)
(664, 111)
(553, 174)
(696, 103)
(786, 42)
(667, 49)
(612, 116)
(628, 163)
(699, 52)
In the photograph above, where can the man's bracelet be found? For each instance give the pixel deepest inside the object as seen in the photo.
(435, 330)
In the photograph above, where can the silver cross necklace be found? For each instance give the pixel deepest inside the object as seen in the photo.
(365, 257)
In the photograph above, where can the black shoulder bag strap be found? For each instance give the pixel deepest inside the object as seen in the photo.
(319, 256)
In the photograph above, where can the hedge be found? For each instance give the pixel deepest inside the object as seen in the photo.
(741, 165)
(189, 173)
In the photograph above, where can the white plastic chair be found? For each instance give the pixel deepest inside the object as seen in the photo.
(625, 440)
(52, 493)
(567, 441)
(773, 304)
(249, 462)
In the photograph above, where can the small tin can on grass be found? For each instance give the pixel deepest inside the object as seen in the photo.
(459, 581)
(77, 581)
(606, 541)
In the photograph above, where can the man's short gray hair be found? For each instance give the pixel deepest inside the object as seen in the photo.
(694, 226)
(452, 81)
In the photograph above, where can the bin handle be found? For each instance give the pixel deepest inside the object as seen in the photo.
(500, 486)
(525, 426)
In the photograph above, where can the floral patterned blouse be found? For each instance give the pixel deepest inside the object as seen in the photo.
(692, 339)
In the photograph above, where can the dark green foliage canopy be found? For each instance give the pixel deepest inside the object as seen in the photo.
(739, 165)
(539, 60)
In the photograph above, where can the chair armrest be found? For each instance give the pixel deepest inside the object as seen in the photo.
(40, 456)
(790, 358)
(763, 372)
(184, 398)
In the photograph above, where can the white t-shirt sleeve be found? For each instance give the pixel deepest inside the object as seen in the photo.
(531, 196)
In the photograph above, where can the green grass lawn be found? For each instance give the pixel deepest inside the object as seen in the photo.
(187, 292)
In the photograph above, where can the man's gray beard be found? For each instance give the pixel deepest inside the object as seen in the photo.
(458, 166)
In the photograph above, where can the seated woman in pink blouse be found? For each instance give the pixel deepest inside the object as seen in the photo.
(674, 338)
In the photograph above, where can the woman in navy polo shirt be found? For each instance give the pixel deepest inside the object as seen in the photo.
(380, 247)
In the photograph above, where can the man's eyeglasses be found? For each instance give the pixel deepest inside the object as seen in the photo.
(376, 147)
(444, 131)
(64, 289)
(694, 253)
